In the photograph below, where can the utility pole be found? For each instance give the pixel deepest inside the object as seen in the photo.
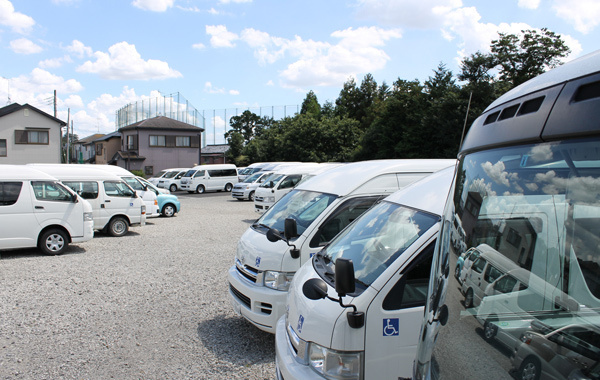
(55, 105)
(68, 138)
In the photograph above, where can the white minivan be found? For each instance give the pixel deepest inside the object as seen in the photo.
(319, 209)
(355, 309)
(214, 177)
(172, 180)
(115, 205)
(247, 188)
(38, 211)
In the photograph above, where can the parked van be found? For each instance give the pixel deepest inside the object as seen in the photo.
(214, 177)
(263, 166)
(282, 181)
(319, 208)
(168, 204)
(38, 211)
(526, 185)
(247, 188)
(165, 174)
(172, 180)
(486, 269)
(115, 205)
(356, 307)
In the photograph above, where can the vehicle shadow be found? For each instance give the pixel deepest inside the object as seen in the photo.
(249, 221)
(103, 235)
(34, 252)
(236, 340)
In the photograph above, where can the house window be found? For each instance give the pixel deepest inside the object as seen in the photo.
(132, 142)
(148, 170)
(99, 149)
(3, 148)
(157, 141)
(31, 137)
(183, 141)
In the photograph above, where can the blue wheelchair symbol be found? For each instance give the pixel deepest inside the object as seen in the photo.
(391, 327)
(300, 323)
(257, 262)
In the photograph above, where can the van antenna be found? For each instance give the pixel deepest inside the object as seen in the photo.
(462, 137)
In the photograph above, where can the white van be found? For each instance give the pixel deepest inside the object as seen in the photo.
(319, 209)
(115, 205)
(247, 188)
(355, 309)
(214, 177)
(172, 180)
(282, 181)
(262, 167)
(38, 211)
(165, 174)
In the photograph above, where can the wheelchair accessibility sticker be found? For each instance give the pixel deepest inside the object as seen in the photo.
(300, 323)
(391, 327)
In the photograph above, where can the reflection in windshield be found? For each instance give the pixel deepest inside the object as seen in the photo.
(303, 206)
(378, 237)
(530, 300)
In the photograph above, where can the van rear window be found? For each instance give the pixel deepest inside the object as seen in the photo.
(9, 192)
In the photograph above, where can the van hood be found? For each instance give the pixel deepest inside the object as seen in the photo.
(317, 320)
(254, 250)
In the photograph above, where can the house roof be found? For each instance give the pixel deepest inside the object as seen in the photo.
(89, 139)
(126, 156)
(162, 122)
(16, 107)
(109, 136)
(212, 149)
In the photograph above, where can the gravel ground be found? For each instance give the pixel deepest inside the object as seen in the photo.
(151, 305)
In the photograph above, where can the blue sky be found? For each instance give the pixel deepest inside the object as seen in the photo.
(228, 55)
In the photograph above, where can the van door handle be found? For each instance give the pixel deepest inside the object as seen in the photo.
(108, 200)
(39, 207)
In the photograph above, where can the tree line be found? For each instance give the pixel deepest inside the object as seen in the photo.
(408, 119)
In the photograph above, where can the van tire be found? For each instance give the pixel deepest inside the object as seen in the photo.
(530, 369)
(489, 329)
(251, 196)
(469, 298)
(173, 188)
(168, 210)
(53, 241)
(117, 226)
(200, 189)
(228, 187)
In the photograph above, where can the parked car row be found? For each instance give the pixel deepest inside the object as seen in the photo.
(51, 205)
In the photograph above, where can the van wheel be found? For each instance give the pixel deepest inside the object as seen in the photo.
(457, 272)
(251, 196)
(228, 187)
(118, 227)
(168, 210)
(469, 298)
(489, 329)
(53, 242)
(173, 188)
(200, 189)
(530, 369)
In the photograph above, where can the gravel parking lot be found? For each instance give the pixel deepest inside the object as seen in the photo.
(151, 305)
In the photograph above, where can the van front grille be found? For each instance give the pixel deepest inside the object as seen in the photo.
(239, 295)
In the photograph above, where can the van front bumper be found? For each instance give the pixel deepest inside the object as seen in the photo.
(260, 305)
(286, 365)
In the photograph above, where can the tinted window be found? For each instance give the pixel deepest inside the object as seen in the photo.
(117, 189)
(9, 192)
(50, 191)
(479, 265)
(85, 189)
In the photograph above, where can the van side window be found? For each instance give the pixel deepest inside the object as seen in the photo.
(478, 265)
(117, 189)
(340, 218)
(506, 284)
(290, 181)
(50, 191)
(9, 192)
(491, 274)
(411, 290)
(86, 190)
(200, 173)
(134, 183)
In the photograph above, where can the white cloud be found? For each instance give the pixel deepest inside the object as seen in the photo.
(220, 37)
(24, 46)
(234, 1)
(233, 92)
(53, 63)
(73, 101)
(529, 4)
(198, 46)
(79, 49)
(153, 5)
(124, 62)
(584, 15)
(422, 14)
(208, 87)
(18, 22)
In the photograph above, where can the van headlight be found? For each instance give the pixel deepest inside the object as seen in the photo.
(278, 280)
(333, 364)
(88, 216)
(269, 199)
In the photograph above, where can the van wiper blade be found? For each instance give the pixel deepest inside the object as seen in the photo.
(261, 225)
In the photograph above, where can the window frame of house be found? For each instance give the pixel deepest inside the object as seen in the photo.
(131, 142)
(99, 147)
(3, 149)
(183, 141)
(29, 133)
(157, 142)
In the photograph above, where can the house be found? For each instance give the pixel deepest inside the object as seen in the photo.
(158, 143)
(106, 147)
(85, 149)
(214, 154)
(28, 134)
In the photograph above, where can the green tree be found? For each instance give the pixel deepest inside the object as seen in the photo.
(310, 105)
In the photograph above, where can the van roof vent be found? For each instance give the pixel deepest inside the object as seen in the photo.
(531, 106)
(491, 118)
(509, 112)
(587, 91)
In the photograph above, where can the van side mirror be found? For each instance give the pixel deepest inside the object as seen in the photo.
(344, 276)
(74, 198)
(314, 289)
(442, 315)
(273, 235)
(290, 228)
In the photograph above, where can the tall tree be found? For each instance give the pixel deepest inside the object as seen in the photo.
(310, 105)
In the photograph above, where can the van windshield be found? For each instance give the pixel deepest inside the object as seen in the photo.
(171, 174)
(190, 173)
(272, 180)
(303, 206)
(253, 177)
(377, 238)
